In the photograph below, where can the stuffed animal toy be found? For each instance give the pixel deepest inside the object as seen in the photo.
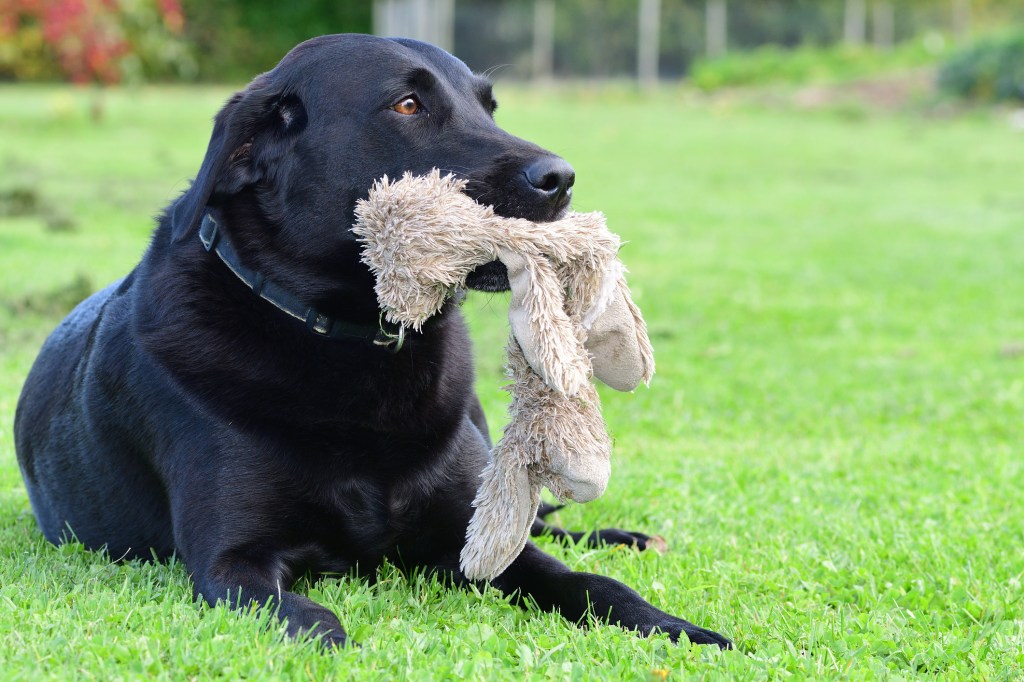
(571, 316)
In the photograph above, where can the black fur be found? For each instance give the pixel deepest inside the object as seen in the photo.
(175, 411)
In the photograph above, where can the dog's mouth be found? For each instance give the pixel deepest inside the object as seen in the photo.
(493, 276)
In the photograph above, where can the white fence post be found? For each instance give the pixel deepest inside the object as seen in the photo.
(716, 27)
(883, 24)
(543, 39)
(432, 21)
(855, 22)
(647, 41)
(961, 19)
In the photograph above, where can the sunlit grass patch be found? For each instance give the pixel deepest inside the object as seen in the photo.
(832, 446)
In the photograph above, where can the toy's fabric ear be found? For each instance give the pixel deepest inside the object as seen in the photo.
(506, 505)
(541, 326)
(251, 134)
(576, 460)
(553, 440)
(620, 350)
(643, 340)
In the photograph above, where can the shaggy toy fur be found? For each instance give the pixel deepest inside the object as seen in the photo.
(423, 237)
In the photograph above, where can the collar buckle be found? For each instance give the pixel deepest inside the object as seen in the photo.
(318, 323)
(209, 233)
(393, 342)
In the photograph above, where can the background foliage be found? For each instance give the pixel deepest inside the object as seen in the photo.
(232, 40)
(86, 41)
(809, 64)
(235, 40)
(990, 70)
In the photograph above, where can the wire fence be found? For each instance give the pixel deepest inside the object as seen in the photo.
(662, 38)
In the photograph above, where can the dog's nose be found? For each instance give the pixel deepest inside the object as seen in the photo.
(550, 176)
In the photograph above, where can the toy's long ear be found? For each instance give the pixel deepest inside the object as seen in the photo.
(540, 324)
(251, 135)
(643, 341)
(506, 505)
(620, 349)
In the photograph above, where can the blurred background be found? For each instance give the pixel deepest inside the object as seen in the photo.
(711, 43)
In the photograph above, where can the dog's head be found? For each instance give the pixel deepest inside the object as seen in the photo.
(292, 153)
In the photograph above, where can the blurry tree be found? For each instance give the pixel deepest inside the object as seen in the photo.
(961, 18)
(599, 38)
(683, 35)
(786, 23)
(90, 41)
(84, 37)
(101, 41)
(160, 50)
(991, 69)
(596, 36)
(105, 41)
(236, 39)
(491, 35)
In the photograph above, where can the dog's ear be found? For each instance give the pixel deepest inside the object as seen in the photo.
(251, 134)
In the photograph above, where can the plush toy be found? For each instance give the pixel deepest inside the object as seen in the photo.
(570, 314)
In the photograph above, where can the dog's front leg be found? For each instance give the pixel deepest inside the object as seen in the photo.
(242, 583)
(554, 587)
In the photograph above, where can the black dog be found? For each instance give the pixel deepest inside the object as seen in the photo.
(235, 400)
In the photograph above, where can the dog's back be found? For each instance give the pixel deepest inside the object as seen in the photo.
(73, 437)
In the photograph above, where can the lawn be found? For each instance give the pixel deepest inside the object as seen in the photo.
(832, 446)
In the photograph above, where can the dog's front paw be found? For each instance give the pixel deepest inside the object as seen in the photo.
(335, 639)
(305, 619)
(641, 541)
(678, 628)
(328, 637)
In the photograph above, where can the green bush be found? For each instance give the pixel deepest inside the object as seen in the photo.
(807, 64)
(990, 70)
(234, 39)
(162, 40)
(100, 42)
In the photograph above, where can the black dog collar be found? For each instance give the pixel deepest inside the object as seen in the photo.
(276, 295)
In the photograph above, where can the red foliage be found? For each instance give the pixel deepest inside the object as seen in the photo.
(85, 35)
(173, 15)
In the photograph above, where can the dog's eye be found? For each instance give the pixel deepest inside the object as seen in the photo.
(408, 106)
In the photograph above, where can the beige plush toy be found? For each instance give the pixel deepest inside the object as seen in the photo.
(571, 316)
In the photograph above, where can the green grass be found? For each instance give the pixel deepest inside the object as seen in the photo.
(832, 446)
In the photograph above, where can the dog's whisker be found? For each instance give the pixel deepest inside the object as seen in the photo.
(494, 69)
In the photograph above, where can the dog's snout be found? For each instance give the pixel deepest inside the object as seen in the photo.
(550, 176)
